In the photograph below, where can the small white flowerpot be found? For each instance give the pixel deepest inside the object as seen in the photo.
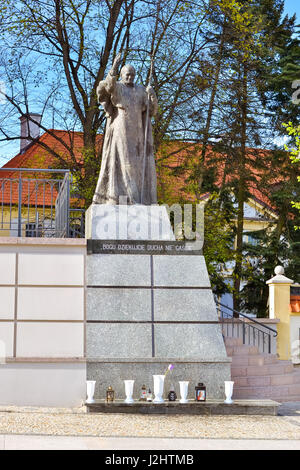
(90, 390)
(184, 386)
(228, 392)
(158, 388)
(129, 391)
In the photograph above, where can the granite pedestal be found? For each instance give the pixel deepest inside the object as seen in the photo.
(150, 304)
(123, 222)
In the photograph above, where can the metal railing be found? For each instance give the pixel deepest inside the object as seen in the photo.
(35, 205)
(77, 223)
(62, 208)
(251, 331)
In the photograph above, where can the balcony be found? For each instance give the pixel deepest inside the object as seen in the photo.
(37, 203)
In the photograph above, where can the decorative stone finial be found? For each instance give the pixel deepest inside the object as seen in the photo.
(279, 277)
(279, 270)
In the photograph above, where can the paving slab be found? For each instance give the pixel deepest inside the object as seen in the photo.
(25, 442)
(117, 425)
(63, 428)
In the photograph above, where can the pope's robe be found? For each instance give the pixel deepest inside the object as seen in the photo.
(123, 161)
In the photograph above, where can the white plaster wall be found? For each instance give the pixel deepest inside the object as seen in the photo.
(50, 267)
(7, 303)
(7, 266)
(40, 384)
(6, 339)
(50, 340)
(42, 322)
(50, 303)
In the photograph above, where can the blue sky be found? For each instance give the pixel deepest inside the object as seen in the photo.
(293, 6)
(9, 150)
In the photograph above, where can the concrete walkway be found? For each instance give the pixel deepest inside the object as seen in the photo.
(26, 442)
(59, 429)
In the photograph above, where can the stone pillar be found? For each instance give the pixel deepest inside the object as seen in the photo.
(279, 301)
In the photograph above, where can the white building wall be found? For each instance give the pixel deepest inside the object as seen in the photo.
(42, 321)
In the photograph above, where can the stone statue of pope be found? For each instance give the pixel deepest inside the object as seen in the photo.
(126, 155)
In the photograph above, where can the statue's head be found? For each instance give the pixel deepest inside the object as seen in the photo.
(127, 74)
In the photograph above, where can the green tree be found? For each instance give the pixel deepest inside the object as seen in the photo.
(218, 239)
(249, 124)
(55, 57)
(279, 242)
(294, 149)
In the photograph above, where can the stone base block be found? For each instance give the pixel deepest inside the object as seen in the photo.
(108, 372)
(145, 311)
(137, 222)
(207, 408)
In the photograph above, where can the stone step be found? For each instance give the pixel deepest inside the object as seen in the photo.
(247, 382)
(280, 368)
(261, 376)
(290, 398)
(263, 359)
(209, 407)
(277, 393)
(286, 379)
(238, 361)
(254, 360)
(274, 392)
(295, 390)
(264, 381)
(233, 341)
(296, 377)
(241, 350)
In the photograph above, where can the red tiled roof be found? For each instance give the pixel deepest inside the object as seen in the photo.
(34, 193)
(37, 157)
(170, 177)
(190, 154)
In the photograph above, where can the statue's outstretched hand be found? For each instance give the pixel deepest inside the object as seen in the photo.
(116, 63)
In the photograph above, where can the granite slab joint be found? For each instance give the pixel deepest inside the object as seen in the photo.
(102, 286)
(143, 360)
